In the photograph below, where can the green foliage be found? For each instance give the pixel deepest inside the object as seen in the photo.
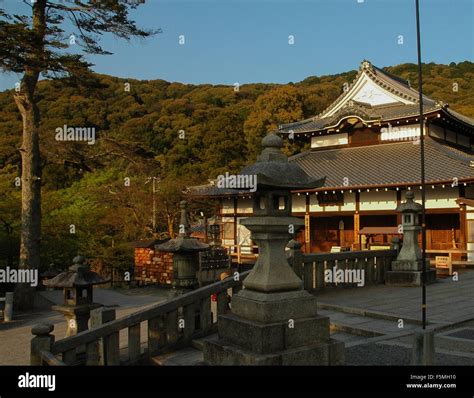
(140, 134)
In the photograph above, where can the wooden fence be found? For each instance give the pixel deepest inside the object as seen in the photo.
(312, 267)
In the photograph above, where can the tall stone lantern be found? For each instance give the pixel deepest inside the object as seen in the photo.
(274, 321)
(407, 269)
(77, 282)
(185, 254)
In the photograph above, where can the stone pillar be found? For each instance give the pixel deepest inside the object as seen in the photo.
(423, 353)
(43, 341)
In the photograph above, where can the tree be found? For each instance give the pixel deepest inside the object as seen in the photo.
(33, 46)
(280, 105)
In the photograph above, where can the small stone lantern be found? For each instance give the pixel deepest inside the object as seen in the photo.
(274, 321)
(77, 282)
(407, 269)
(185, 254)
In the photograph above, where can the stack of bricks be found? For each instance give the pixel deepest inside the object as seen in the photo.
(153, 267)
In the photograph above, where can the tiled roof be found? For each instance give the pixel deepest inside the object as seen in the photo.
(386, 164)
(368, 113)
(364, 111)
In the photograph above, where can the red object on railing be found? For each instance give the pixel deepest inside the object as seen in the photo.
(213, 297)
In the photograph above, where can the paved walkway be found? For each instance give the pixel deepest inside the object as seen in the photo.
(15, 337)
(448, 301)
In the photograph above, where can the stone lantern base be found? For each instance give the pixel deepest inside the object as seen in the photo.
(409, 273)
(274, 329)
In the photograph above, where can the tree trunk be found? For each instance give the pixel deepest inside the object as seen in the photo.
(30, 198)
(30, 159)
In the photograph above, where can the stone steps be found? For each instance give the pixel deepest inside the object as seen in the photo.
(350, 325)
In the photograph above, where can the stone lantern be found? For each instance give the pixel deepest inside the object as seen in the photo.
(274, 321)
(407, 269)
(77, 282)
(185, 254)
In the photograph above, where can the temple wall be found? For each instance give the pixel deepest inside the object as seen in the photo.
(244, 205)
(298, 203)
(227, 206)
(349, 204)
(438, 198)
(382, 200)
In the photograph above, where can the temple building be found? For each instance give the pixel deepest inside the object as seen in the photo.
(367, 144)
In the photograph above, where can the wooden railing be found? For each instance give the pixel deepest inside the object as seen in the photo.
(311, 267)
(170, 325)
(235, 251)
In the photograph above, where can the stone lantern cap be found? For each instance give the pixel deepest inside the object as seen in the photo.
(410, 206)
(78, 275)
(183, 243)
(274, 171)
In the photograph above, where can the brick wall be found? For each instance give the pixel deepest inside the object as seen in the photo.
(153, 267)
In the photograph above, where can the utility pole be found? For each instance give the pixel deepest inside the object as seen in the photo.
(154, 180)
(422, 157)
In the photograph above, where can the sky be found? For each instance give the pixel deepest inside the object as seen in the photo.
(245, 41)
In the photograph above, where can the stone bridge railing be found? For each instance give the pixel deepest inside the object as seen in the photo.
(312, 267)
(170, 325)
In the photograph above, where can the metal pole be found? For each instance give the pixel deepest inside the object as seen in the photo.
(422, 157)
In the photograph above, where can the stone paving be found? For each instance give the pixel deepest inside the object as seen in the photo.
(357, 315)
(448, 301)
(15, 337)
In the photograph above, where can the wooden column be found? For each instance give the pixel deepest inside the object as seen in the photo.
(463, 226)
(357, 221)
(235, 220)
(462, 219)
(399, 201)
(307, 227)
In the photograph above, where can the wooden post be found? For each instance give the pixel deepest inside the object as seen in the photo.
(172, 327)
(463, 226)
(222, 306)
(156, 335)
(112, 349)
(307, 226)
(189, 321)
(205, 320)
(43, 341)
(134, 343)
(357, 241)
(96, 351)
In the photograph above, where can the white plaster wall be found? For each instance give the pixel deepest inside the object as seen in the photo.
(438, 198)
(244, 205)
(298, 202)
(227, 206)
(381, 200)
(349, 204)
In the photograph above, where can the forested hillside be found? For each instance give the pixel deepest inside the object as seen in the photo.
(95, 197)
